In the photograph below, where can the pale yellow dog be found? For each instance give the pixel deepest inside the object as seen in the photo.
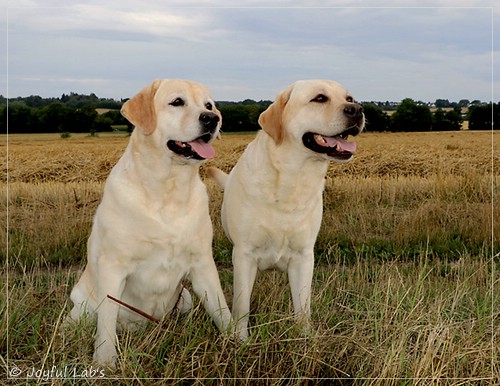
(272, 207)
(152, 229)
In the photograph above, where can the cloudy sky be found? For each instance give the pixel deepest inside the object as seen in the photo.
(379, 50)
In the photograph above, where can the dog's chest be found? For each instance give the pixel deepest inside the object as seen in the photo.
(276, 248)
(272, 259)
(158, 275)
(147, 225)
(273, 235)
(176, 219)
(155, 285)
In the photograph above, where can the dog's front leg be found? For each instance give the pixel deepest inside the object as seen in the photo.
(206, 285)
(110, 283)
(300, 273)
(245, 271)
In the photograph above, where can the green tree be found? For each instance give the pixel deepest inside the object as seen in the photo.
(84, 119)
(410, 116)
(101, 123)
(376, 119)
(482, 116)
(241, 116)
(446, 121)
(455, 118)
(3, 120)
(55, 117)
(442, 103)
(21, 119)
(116, 117)
(234, 118)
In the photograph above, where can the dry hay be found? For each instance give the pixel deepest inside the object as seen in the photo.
(62, 160)
(379, 154)
(392, 189)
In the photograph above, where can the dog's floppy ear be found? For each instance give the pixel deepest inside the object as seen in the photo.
(140, 109)
(271, 120)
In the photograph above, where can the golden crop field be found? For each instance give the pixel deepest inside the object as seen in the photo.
(401, 191)
(405, 290)
(45, 157)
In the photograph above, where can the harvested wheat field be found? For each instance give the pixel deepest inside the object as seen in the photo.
(48, 158)
(401, 193)
(405, 289)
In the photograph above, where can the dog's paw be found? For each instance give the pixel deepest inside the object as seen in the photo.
(65, 325)
(241, 335)
(185, 302)
(105, 355)
(236, 337)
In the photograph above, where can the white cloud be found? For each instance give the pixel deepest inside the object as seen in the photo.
(113, 49)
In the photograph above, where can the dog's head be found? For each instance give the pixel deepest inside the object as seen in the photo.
(179, 112)
(317, 114)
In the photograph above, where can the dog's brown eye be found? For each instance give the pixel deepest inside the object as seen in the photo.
(320, 98)
(177, 102)
(209, 106)
(349, 99)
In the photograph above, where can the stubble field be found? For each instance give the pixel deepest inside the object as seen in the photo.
(405, 287)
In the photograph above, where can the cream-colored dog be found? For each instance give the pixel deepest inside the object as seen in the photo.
(273, 204)
(152, 229)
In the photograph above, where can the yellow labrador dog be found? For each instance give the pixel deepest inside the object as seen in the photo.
(152, 229)
(273, 204)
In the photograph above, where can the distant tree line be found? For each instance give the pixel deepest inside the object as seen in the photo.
(58, 117)
(78, 113)
(417, 116)
(71, 113)
(241, 116)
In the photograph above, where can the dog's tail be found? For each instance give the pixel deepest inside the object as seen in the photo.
(218, 175)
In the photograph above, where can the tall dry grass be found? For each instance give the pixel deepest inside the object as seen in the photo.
(388, 323)
(402, 193)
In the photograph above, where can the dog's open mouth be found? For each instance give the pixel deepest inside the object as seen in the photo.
(336, 147)
(199, 149)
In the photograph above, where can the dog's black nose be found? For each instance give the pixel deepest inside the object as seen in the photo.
(209, 121)
(353, 110)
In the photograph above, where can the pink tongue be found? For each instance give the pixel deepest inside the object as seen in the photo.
(204, 149)
(342, 144)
